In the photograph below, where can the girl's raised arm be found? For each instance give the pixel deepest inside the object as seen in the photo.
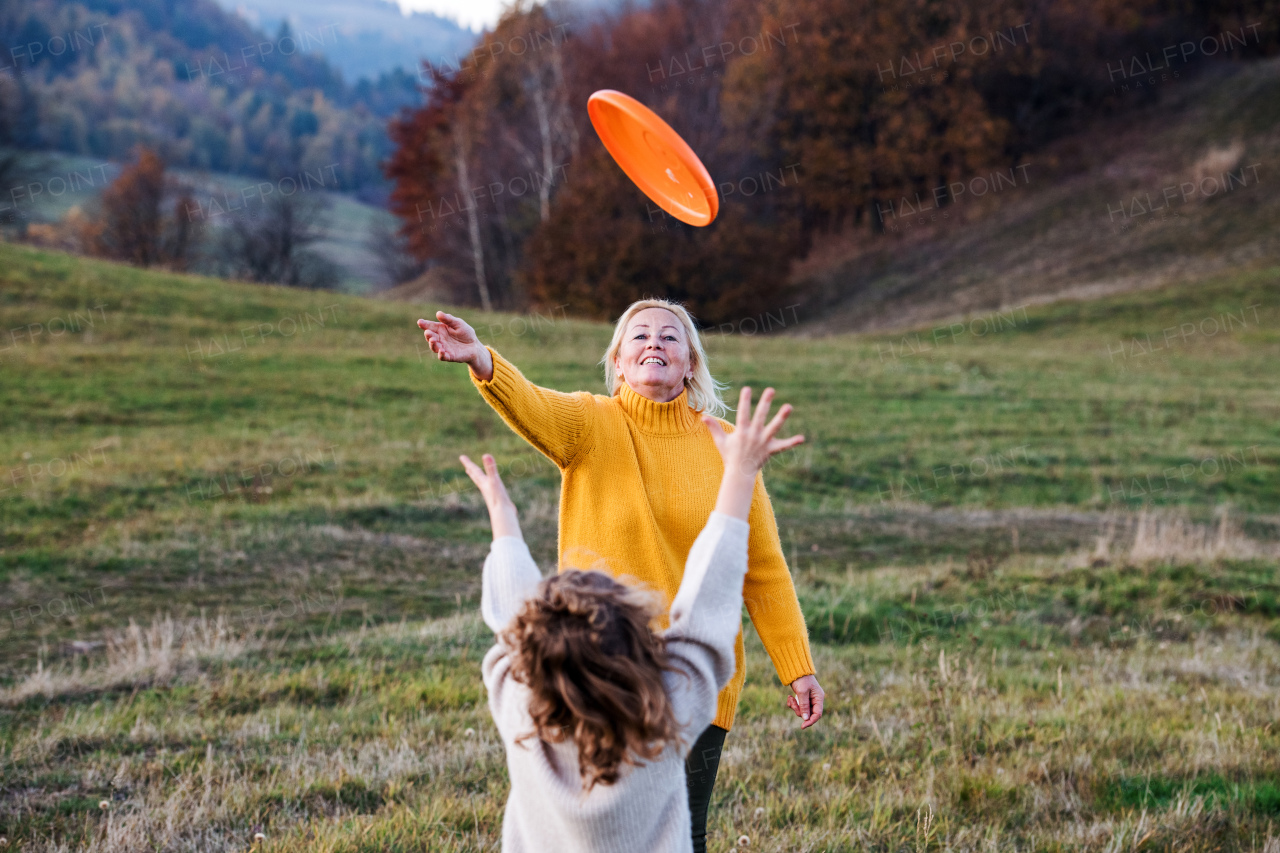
(510, 575)
(706, 614)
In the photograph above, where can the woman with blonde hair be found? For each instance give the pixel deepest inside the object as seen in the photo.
(640, 473)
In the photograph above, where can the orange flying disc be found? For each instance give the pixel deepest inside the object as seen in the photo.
(654, 157)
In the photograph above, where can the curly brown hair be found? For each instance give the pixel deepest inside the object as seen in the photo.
(584, 648)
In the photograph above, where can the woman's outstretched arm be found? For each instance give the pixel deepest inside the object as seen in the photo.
(555, 423)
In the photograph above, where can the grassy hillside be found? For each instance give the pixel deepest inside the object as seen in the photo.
(265, 481)
(1085, 218)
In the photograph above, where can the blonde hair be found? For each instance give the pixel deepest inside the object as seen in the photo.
(704, 390)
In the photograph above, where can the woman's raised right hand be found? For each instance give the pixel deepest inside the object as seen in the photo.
(452, 339)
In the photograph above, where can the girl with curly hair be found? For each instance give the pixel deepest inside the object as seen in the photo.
(596, 710)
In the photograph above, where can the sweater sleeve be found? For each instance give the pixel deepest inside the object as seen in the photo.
(706, 616)
(770, 595)
(555, 423)
(510, 578)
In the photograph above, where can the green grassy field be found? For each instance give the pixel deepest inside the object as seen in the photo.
(1037, 552)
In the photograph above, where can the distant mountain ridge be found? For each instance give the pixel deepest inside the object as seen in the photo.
(372, 37)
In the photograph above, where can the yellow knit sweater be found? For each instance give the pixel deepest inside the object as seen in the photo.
(639, 481)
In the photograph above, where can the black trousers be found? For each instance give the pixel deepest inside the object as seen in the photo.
(700, 772)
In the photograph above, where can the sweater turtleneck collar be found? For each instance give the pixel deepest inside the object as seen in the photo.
(672, 418)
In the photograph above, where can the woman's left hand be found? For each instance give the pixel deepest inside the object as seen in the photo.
(808, 699)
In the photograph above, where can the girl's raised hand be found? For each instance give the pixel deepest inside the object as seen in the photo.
(502, 511)
(747, 448)
(753, 440)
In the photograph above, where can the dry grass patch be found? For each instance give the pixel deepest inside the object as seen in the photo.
(134, 657)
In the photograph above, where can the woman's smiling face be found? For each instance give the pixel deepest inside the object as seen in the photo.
(654, 356)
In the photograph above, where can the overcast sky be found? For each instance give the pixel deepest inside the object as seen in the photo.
(475, 14)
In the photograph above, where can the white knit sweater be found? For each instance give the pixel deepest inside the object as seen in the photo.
(647, 809)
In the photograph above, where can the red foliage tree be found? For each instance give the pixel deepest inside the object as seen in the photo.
(133, 226)
(476, 166)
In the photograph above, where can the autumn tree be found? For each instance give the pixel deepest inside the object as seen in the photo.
(422, 168)
(603, 248)
(606, 244)
(477, 166)
(500, 177)
(865, 103)
(134, 225)
(533, 118)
